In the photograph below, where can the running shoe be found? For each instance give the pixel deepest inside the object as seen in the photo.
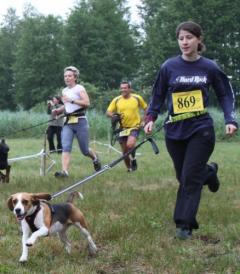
(61, 174)
(183, 234)
(97, 164)
(214, 185)
(134, 164)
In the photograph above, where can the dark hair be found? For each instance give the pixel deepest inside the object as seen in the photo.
(58, 98)
(193, 28)
(126, 82)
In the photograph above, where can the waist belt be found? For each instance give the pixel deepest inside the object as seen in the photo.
(127, 131)
(80, 114)
(74, 115)
(184, 116)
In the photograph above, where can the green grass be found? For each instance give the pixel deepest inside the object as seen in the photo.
(130, 216)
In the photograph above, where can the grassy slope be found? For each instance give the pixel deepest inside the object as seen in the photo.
(130, 217)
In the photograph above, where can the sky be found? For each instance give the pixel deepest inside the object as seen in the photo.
(55, 7)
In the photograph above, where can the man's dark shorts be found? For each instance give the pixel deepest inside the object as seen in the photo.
(134, 133)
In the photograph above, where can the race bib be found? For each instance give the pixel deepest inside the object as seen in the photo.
(190, 101)
(125, 132)
(72, 120)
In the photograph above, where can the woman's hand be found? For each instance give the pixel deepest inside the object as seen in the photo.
(148, 127)
(57, 111)
(230, 129)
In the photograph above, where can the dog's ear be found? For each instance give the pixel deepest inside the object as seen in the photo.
(9, 203)
(42, 196)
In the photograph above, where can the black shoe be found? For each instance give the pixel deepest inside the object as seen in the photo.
(134, 164)
(61, 174)
(97, 164)
(183, 233)
(214, 185)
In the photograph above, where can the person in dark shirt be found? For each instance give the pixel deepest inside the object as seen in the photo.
(55, 125)
(183, 82)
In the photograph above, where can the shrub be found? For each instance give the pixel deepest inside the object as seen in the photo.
(34, 124)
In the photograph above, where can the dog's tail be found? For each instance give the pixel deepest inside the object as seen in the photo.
(72, 195)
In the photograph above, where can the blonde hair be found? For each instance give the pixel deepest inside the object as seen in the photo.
(74, 70)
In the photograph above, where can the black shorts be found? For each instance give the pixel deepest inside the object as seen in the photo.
(134, 133)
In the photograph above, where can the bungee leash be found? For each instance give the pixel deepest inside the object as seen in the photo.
(170, 119)
(110, 165)
(184, 116)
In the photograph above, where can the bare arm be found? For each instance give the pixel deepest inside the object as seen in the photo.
(84, 101)
(143, 118)
(58, 111)
(109, 114)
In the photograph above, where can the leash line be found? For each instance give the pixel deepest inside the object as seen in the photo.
(115, 162)
(37, 125)
(110, 165)
(56, 194)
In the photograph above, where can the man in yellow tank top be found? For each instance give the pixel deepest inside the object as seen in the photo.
(128, 106)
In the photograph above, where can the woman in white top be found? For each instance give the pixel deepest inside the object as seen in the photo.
(76, 101)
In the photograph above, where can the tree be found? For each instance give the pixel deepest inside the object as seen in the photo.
(99, 41)
(218, 18)
(38, 66)
(8, 38)
(158, 42)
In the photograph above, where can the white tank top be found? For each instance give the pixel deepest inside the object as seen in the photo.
(74, 93)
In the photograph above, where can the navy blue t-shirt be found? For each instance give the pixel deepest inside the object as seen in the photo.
(178, 75)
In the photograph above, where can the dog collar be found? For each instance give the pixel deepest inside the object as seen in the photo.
(30, 219)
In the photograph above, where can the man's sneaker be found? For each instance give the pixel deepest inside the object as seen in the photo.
(129, 170)
(183, 234)
(214, 185)
(97, 164)
(134, 164)
(61, 174)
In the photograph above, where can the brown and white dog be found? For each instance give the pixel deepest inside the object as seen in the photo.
(40, 218)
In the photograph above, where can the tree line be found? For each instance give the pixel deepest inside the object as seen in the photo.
(99, 38)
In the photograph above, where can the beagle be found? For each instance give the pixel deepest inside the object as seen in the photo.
(40, 218)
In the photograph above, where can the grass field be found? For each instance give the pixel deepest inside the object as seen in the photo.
(130, 216)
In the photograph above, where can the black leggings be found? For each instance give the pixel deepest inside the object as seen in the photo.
(51, 131)
(190, 159)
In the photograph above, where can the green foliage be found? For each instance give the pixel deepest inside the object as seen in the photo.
(33, 124)
(22, 124)
(8, 36)
(220, 23)
(98, 40)
(13, 124)
(38, 66)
